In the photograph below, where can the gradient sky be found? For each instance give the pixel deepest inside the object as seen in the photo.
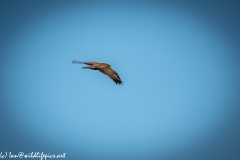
(180, 69)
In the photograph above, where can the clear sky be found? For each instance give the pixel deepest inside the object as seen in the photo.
(180, 80)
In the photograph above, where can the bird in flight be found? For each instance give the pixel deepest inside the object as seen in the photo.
(105, 68)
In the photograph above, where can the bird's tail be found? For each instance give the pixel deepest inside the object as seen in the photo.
(86, 67)
(76, 62)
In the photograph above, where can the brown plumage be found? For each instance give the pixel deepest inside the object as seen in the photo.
(102, 67)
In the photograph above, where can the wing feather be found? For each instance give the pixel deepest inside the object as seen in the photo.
(112, 74)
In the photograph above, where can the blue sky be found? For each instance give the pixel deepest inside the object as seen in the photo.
(180, 80)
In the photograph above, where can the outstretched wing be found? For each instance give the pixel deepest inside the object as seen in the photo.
(112, 74)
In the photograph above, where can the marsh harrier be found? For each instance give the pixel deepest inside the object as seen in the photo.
(105, 68)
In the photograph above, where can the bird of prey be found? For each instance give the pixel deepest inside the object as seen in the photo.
(105, 68)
